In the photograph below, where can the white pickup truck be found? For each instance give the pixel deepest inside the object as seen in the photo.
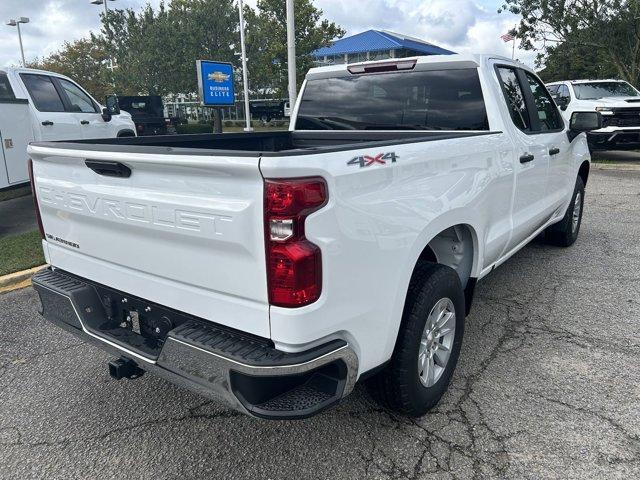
(274, 270)
(38, 105)
(616, 100)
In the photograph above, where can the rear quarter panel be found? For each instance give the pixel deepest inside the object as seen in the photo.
(377, 222)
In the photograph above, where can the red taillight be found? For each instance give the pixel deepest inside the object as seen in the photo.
(35, 199)
(294, 264)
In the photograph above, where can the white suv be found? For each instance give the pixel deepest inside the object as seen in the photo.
(616, 100)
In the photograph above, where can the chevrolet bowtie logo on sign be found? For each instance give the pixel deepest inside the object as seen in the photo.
(218, 77)
(368, 160)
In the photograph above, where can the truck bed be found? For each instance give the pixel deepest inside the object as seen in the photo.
(257, 144)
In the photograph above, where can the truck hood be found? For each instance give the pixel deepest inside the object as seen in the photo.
(615, 102)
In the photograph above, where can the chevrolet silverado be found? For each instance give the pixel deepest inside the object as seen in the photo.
(274, 270)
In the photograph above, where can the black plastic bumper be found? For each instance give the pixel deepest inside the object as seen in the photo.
(243, 370)
(617, 140)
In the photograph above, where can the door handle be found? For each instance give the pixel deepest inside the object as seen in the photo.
(84, 122)
(527, 157)
(47, 123)
(554, 151)
(108, 169)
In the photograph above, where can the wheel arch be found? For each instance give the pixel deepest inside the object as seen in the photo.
(583, 172)
(126, 133)
(430, 246)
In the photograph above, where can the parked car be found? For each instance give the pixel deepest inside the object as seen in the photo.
(273, 270)
(147, 112)
(267, 110)
(43, 106)
(616, 100)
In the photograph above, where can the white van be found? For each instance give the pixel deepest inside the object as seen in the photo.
(39, 106)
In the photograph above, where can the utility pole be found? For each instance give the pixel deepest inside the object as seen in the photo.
(291, 53)
(245, 75)
(16, 23)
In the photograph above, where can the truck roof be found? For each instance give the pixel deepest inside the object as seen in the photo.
(602, 80)
(439, 61)
(34, 70)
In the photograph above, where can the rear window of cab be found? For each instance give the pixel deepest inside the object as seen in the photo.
(418, 100)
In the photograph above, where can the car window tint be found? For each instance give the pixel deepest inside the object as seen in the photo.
(545, 106)
(563, 92)
(80, 101)
(42, 91)
(553, 89)
(514, 97)
(420, 100)
(6, 92)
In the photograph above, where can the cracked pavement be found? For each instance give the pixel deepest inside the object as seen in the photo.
(547, 386)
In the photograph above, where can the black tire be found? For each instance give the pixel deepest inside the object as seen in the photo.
(565, 232)
(398, 387)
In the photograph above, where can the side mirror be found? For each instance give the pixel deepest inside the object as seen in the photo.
(562, 102)
(113, 107)
(584, 122)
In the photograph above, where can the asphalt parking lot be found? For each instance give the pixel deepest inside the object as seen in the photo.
(548, 386)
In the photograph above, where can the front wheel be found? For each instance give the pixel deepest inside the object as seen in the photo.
(565, 232)
(428, 343)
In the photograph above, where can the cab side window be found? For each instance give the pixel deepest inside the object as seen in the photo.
(43, 92)
(563, 94)
(6, 92)
(514, 97)
(547, 111)
(78, 100)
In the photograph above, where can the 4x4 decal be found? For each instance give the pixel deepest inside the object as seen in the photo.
(367, 160)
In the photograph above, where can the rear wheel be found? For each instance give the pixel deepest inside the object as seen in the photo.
(428, 343)
(565, 232)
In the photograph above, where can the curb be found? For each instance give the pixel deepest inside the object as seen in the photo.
(615, 166)
(17, 280)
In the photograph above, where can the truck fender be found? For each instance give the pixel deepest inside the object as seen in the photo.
(459, 217)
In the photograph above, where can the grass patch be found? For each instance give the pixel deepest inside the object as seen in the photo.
(14, 193)
(19, 252)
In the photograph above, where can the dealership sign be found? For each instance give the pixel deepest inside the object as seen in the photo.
(215, 83)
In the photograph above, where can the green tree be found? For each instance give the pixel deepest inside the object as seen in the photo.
(267, 42)
(566, 61)
(156, 49)
(141, 47)
(202, 30)
(82, 60)
(606, 30)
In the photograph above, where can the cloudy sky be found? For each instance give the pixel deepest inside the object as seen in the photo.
(460, 25)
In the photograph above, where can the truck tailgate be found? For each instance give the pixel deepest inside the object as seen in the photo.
(184, 231)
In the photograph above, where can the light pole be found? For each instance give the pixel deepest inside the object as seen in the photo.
(245, 75)
(291, 53)
(102, 2)
(16, 23)
(106, 12)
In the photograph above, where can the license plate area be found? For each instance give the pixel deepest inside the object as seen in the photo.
(129, 321)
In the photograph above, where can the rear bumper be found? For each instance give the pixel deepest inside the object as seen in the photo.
(614, 140)
(242, 370)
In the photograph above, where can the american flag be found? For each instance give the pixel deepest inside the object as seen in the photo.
(507, 37)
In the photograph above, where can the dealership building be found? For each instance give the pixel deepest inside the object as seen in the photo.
(375, 45)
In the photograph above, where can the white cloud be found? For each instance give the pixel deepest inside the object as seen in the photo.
(470, 26)
(464, 26)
